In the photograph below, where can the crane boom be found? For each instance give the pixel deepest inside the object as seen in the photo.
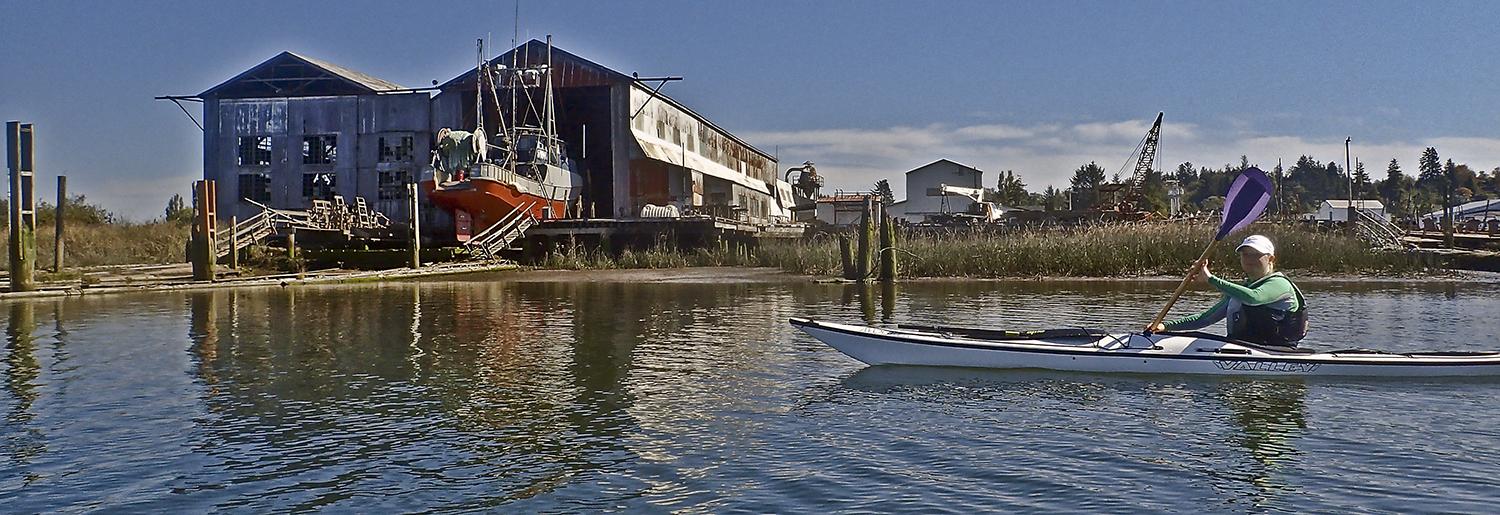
(975, 194)
(1148, 153)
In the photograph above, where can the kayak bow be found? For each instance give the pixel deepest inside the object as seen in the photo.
(1097, 351)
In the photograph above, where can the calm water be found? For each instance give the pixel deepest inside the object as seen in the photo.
(697, 397)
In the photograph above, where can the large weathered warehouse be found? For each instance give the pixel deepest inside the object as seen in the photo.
(633, 147)
(293, 129)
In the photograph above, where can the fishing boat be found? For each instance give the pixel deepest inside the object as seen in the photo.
(1087, 350)
(524, 172)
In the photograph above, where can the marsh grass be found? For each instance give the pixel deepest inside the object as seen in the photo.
(1121, 250)
(112, 243)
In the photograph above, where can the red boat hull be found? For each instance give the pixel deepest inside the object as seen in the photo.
(487, 201)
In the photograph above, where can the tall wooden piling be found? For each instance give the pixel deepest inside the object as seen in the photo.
(862, 253)
(291, 244)
(57, 239)
(846, 257)
(416, 225)
(20, 149)
(205, 227)
(234, 242)
(887, 268)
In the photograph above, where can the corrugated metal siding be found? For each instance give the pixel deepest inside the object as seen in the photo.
(357, 121)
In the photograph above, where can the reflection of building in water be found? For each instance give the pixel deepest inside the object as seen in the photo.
(661, 358)
(1271, 414)
(535, 382)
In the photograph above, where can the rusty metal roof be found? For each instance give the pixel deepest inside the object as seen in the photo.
(263, 79)
(846, 197)
(586, 73)
(374, 83)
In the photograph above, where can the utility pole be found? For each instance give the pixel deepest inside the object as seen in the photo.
(1349, 172)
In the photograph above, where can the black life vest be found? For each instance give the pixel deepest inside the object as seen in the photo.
(1270, 326)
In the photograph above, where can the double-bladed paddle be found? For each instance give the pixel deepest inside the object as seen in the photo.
(1246, 200)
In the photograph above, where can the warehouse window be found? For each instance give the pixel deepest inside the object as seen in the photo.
(321, 149)
(318, 185)
(393, 184)
(395, 149)
(256, 186)
(255, 151)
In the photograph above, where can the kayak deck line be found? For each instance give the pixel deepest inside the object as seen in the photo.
(1087, 349)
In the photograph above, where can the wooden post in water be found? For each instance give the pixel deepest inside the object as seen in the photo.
(887, 247)
(291, 244)
(57, 239)
(862, 254)
(205, 218)
(234, 242)
(19, 147)
(846, 257)
(416, 226)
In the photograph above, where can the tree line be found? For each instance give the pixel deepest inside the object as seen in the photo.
(1300, 188)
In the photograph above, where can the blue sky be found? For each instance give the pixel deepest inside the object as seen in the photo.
(865, 89)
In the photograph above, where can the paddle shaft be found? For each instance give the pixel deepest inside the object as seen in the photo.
(1162, 315)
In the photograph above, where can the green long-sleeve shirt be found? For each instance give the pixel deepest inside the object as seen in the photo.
(1274, 290)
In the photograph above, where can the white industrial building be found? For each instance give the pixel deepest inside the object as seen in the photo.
(1338, 210)
(922, 190)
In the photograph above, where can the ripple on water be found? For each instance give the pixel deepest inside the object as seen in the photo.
(698, 397)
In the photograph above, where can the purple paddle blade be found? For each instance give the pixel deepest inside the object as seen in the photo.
(1246, 200)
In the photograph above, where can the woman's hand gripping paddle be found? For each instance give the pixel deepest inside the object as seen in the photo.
(1246, 200)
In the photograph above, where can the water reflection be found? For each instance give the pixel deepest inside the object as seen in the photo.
(1262, 417)
(23, 442)
(584, 396)
(532, 381)
(1272, 415)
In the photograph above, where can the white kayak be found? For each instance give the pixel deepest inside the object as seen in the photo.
(1096, 351)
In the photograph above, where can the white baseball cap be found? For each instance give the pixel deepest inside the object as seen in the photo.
(1259, 243)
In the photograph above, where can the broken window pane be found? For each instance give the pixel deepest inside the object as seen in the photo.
(256, 186)
(396, 150)
(321, 149)
(319, 185)
(254, 151)
(393, 184)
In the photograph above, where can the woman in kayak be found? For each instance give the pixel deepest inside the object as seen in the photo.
(1266, 309)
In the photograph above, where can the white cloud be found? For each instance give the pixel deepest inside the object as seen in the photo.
(1047, 154)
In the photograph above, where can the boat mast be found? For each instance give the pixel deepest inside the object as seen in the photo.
(479, 90)
(551, 125)
(514, 40)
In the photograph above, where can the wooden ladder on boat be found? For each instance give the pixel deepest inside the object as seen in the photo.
(502, 233)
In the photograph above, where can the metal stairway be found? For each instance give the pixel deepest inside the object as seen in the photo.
(502, 233)
(1378, 231)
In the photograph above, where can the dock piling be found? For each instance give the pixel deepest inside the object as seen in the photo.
(291, 244)
(20, 150)
(887, 269)
(57, 240)
(862, 253)
(205, 225)
(234, 242)
(416, 226)
(846, 257)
